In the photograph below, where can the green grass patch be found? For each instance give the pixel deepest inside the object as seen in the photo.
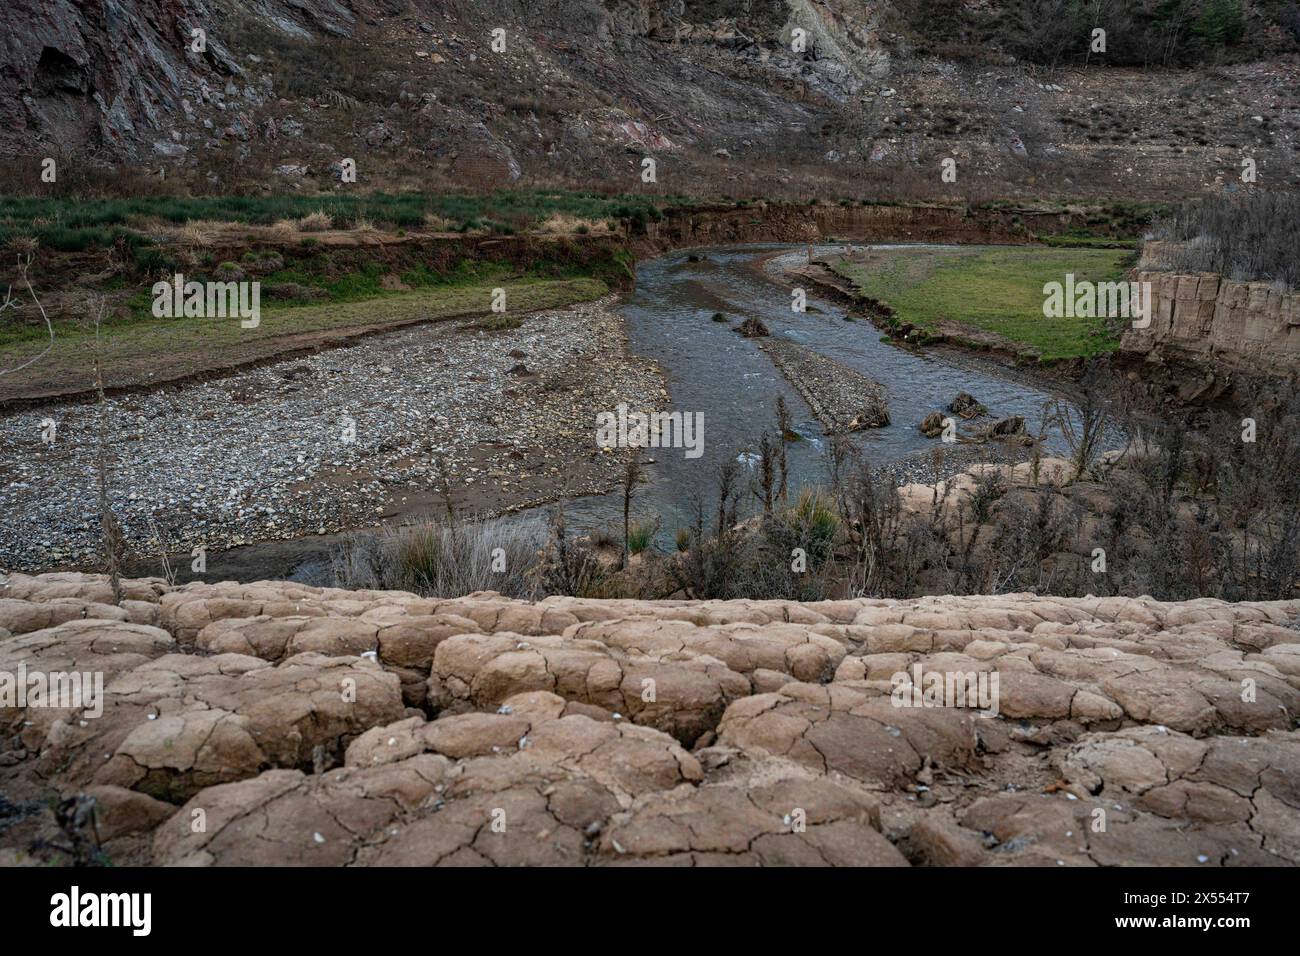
(145, 348)
(994, 289)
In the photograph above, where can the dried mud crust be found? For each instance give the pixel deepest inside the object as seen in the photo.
(319, 726)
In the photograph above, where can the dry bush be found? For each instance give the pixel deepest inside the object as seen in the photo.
(569, 565)
(562, 224)
(318, 221)
(1249, 238)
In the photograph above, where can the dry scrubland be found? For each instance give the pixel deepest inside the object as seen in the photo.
(328, 727)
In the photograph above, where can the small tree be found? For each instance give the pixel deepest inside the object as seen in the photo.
(631, 476)
(784, 429)
(765, 486)
(114, 544)
(728, 472)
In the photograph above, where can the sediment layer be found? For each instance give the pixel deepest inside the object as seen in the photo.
(330, 727)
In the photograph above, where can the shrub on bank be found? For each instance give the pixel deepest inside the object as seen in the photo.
(1252, 237)
(438, 559)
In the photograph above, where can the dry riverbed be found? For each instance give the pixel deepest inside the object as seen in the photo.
(269, 454)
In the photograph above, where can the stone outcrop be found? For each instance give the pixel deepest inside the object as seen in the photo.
(320, 726)
(1251, 327)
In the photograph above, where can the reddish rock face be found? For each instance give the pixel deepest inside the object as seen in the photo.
(320, 726)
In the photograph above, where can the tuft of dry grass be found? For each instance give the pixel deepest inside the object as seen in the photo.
(562, 224)
(437, 559)
(192, 234)
(22, 245)
(318, 221)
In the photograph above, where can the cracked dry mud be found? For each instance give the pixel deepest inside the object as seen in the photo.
(303, 725)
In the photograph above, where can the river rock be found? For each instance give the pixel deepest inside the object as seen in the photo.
(967, 406)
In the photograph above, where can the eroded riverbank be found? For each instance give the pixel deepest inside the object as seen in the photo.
(340, 439)
(256, 467)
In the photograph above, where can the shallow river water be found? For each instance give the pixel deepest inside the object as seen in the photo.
(713, 370)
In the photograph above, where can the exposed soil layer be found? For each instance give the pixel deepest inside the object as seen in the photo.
(360, 728)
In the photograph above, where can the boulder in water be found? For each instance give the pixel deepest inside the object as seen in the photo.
(932, 425)
(753, 328)
(967, 406)
(1008, 429)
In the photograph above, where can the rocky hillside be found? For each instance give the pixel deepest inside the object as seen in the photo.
(328, 727)
(754, 97)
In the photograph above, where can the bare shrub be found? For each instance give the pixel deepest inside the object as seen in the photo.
(568, 566)
(632, 473)
(1252, 237)
(24, 263)
(438, 559)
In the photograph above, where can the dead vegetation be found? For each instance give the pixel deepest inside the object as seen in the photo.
(1250, 237)
(1188, 510)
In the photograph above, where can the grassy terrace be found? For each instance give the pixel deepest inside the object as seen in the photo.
(990, 289)
(72, 224)
(150, 350)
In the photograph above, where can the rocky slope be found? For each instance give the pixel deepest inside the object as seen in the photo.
(414, 91)
(276, 723)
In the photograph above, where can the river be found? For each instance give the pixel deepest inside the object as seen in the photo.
(713, 370)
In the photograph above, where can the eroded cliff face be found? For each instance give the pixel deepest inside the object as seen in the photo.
(1208, 320)
(331, 727)
(106, 74)
(116, 75)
